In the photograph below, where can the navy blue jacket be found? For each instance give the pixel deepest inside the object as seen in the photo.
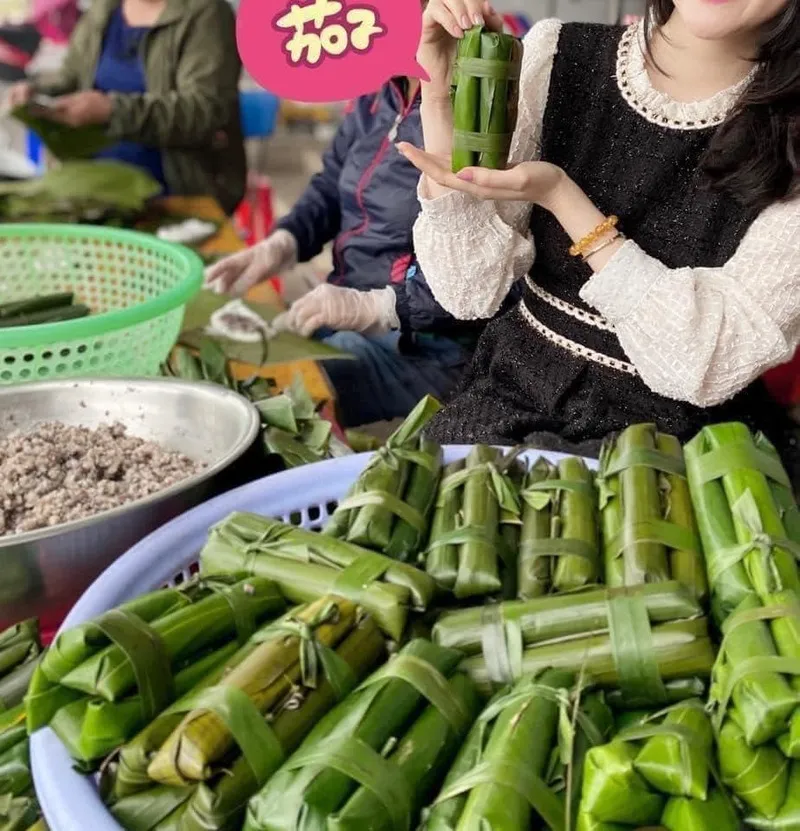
(365, 200)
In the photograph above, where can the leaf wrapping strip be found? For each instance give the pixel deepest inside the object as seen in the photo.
(501, 485)
(388, 501)
(559, 547)
(256, 739)
(554, 485)
(428, 682)
(644, 457)
(632, 646)
(527, 784)
(483, 68)
(482, 142)
(242, 610)
(656, 531)
(502, 644)
(353, 579)
(356, 759)
(720, 695)
(145, 650)
(735, 456)
(461, 535)
(746, 511)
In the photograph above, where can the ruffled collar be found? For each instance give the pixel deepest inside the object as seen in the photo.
(656, 106)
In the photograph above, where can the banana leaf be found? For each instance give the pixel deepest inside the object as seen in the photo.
(266, 677)
(511, 529)
(101, 183)
(71, 648)
(677, 650)
(17, 813)
(614, 792)
(220, 804)
(442, 556)
(212, 620)
(788, 817)
(378, 498)
(535, 566)
(466, 97)
(684, 814)
(14, 685)
(283, 346)
(157, 809)
(561, 617)
(420, 759)
(758, 776)
(65, 143)
(408, 537)
(763, 697)
(503, 763)
(498, 99)
(91, 728)
(307, 565)
(317, 780)
(18, 644)
(650, 518)
(678, 763)
(15, 773)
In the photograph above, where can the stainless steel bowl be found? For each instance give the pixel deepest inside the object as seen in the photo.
(44, 572)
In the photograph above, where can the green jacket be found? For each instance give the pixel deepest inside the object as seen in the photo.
(191, 107)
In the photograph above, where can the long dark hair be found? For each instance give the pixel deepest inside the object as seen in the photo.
(755, 154)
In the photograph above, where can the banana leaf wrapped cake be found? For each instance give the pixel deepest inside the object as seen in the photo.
(371, 762)
(485, 94)
(20, 649)
(648, 524)
(102, 681)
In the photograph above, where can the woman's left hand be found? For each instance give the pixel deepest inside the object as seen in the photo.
(82, 108)
(535, 182)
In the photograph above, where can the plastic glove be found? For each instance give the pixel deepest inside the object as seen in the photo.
(238, 273)
(332, 307)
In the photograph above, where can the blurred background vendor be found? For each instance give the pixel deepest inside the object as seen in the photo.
(375, 304)
(162, 77)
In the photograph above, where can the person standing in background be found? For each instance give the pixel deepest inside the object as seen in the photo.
(162, 76)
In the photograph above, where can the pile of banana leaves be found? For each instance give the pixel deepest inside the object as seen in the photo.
(20, 650)
(101, 191)
(43, 308)
(292, 428)
(485, 94)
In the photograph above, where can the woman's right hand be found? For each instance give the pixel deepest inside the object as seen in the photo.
(238, 273)
(443, 25)
(19, 94)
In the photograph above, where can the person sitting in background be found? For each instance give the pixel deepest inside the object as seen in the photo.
(163, 77)
(375, 304)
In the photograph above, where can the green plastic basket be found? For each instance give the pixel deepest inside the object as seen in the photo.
(136, 285)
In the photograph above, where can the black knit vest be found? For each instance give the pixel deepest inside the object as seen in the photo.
(523, 386)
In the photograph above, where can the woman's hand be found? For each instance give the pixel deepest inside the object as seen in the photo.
(19, 94)
(537, 182)
(238, 273)
(443, 25)
(82, 109)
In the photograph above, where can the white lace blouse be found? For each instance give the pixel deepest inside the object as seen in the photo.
(693, 334)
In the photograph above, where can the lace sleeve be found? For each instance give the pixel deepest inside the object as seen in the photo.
(473, 250)
(703, 334)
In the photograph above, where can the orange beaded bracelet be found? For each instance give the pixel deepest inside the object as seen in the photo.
(603, 228)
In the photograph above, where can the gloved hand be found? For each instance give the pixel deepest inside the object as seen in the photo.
(238, 273)
(333, 307)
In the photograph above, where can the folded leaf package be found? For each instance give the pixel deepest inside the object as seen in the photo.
(20, 649)
(643, 664)
(344, 775)
(744, 506)
(115, 673)
(559, 542)
(307, 565)
(648, 525)
(485, 94)
(388, 507)
(498, 779)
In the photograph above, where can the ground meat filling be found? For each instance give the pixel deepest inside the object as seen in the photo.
(56, 473)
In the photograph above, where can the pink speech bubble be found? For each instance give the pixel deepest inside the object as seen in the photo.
(318, 51)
